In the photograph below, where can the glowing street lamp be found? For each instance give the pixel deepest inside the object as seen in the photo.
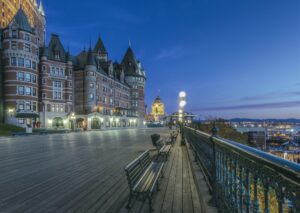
(73, 117)
(182, 103)
(182, 94)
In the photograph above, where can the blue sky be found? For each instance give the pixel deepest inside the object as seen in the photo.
(233, 58)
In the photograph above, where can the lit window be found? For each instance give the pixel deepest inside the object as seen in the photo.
(91, 85)
(28, 77)
(91, 96)
(20, 90)
(28, 90)
(14, 34)
(13, 61)
(28, 105)
(34, 65)
(27, 63)
(27, 37)
(21, 106)
(34, 78)
(21, 76)
(20, 62)
(27, 48)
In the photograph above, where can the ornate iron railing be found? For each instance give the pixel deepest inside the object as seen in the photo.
(244, 179)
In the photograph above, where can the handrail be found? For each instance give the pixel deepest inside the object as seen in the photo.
(273, 159)
(239, 173)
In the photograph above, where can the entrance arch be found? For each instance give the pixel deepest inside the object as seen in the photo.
(58, 122)
(96, 123)
(80, 123)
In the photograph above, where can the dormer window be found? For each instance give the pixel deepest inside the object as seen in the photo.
(57, 55)
(14, 33)
(27, 37)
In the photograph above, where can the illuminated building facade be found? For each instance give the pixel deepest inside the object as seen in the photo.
(108, 94)
(45, 86)
(158, 109)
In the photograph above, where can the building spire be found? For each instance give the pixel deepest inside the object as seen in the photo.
(41, 8)
(129, 42)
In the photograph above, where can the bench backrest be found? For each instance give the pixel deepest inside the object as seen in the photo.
(159, 144)
(136, 168)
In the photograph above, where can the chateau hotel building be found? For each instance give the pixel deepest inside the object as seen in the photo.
(43, 85)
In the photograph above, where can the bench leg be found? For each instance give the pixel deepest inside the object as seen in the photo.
(157, 186)
(150, 203)
(129, 201)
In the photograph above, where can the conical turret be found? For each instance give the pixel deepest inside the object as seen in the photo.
(90, 58)
(41, 9)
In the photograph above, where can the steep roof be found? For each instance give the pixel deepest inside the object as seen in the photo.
(55, 46)
(90, 58)
(131, 64)
(22, 21)
(157, 100)
(41, 8)
(99, 47)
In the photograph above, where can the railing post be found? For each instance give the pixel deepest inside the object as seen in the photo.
(248, 191)
(214, 132)
(256, 201)
(241, 190)
(266, 196)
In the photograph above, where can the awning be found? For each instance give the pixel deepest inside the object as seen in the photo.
(27, 115)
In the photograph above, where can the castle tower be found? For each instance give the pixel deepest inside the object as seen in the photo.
(158, 109)
(136, 78)
(56, 85)
(90, 82)
(20, 71)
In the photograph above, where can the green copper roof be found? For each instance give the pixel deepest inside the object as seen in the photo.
(99, 47)
(90, 58)
(22, 21)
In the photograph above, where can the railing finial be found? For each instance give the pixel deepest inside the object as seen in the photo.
(214, 130)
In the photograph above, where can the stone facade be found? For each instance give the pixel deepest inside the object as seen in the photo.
(107, 95)
(45, 86)
(20, 71)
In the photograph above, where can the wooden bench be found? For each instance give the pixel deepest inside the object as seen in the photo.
(143, 176)
(19, 133)
(163, 149)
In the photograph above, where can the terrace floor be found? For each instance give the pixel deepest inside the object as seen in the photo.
(84, 172)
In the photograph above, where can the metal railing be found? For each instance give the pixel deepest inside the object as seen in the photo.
(245, 179)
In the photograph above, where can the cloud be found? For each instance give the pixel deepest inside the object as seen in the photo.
(271, 95)
(176, 51)
(274, 105)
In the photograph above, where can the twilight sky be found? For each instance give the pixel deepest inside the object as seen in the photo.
(233, 58)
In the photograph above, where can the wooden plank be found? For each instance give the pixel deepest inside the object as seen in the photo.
(177, 202)
(187, 198)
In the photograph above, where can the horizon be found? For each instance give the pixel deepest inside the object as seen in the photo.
(234, 59)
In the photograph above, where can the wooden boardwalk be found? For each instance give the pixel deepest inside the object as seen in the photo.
(178, 192)
(84, 172)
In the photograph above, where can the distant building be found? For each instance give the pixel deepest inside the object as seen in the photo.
(258, 138)
(158, 109)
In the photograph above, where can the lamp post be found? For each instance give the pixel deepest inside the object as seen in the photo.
(73, 120)
(181, 116)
